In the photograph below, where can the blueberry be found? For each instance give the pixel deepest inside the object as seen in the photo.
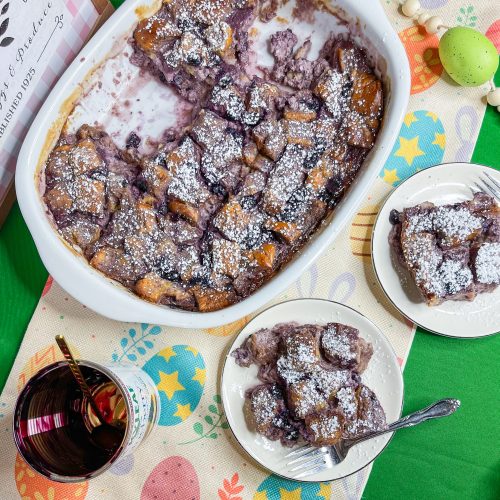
(194, 59)
(213, 59)
(254, 238)
(178, 80)
(236, 134)
(218, 189)
(312, 159)
(334, 186)
(346, 90)
(170, 275)
(394, 217)
(163, 208)
(225, 81)
(141, 185)
(133, 140)
(292, 435)
(206, 259)
(161, 159)
(276, 391)
(248, 202)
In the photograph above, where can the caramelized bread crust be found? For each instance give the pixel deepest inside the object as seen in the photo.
(451, 251)
(227, 200)
(311, 386)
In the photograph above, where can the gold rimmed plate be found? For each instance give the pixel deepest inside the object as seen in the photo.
(383, 376)
(443, 184)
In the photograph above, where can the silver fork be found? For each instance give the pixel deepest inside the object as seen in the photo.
(308, 460)
(489, 185)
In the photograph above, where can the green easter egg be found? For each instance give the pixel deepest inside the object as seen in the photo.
(468, 56)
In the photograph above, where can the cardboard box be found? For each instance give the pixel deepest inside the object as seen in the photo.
(19, 102)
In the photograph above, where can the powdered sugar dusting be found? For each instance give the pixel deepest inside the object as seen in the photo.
(228, 195)
(325, 427)
(319, 402)
(185, 184)
(331, 89)
(347, 402)
(487, 264)
(264, 406)
(307, 398)
(450, 249)
(338, 343)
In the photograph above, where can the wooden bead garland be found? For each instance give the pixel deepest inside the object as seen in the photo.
(472, 75)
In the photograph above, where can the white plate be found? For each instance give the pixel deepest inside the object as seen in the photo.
(383, 376)
(442, 184)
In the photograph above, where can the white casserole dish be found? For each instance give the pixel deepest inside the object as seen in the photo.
(109, 298)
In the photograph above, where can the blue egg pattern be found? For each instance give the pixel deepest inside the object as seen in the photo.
(179, 374)
(420, 145)
(275, 488)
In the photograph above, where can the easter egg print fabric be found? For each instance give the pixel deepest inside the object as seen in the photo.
(420, 145)
(44, 357)
(192, 454)
(230, 329)
(33, 486)
(48, 286)
(422, 50)
(179, 374)
(275, 488)
(493, 34)
(361, 231)
(136, 343)
(174, 478)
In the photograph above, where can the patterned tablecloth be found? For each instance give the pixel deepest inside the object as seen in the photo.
(192, 454)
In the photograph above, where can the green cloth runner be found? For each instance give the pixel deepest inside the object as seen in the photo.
(456, 458)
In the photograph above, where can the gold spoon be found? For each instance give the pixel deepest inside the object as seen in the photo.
(107, 436)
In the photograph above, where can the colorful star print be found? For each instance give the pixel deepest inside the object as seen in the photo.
(167, 353)
(179, 374)
(421, 144)
(200, 375)
(183, 411)
(275, 488)
(409, 150)
(440, 140)
(169, 384)
(260, 495)
(432, 115)
(325, 491)
(391, 176)
(291, 495)
(409, 119)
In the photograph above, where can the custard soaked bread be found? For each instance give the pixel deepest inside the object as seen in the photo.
(225, 202)
(310, 383)
(451, 251)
